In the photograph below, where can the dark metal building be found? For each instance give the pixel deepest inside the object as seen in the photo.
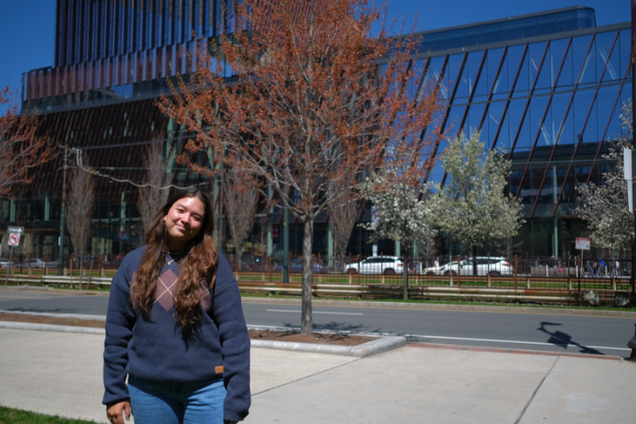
(547, 88)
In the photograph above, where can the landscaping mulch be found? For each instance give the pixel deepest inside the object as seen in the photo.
(284, 336)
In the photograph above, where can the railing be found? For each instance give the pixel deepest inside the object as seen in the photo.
(532, 281)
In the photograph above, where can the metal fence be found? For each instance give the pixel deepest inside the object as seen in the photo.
(543, 279)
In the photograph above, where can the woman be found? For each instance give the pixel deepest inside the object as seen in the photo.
(175, 326)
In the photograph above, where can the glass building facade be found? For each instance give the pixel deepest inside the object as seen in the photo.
(546, 88)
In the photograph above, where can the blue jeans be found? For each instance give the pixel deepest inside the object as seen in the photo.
(166, 403)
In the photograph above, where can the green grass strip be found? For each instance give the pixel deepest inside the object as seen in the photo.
(17, 416)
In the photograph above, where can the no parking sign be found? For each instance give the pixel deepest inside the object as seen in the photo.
(14, 239)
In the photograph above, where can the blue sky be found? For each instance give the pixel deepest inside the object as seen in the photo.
(27, 27)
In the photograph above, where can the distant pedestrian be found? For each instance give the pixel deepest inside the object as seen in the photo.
(615, 266)
(601, 265)
(597, 269)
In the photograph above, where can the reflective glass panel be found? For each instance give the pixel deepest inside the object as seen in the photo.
(475, 77)
(535, 56)
(503, 140)
(501, 86)
(583, 60)
(492, 121)
(607, 62)
(528, 27)
(540, 126)
(585, 18)
(609, 112)
(453, 74)
(583, 102)
(433, 75)
(518, 65)
(563, 119)
(554, 60)
(454, 120)
(546, 24)
(625, 50)
(475, 114)
(493, 60)
(566, 76)
(519, 125)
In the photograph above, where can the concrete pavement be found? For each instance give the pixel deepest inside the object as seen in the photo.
(59, 373)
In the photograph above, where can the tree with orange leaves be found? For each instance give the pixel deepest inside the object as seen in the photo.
(303, 96)
(21, 147)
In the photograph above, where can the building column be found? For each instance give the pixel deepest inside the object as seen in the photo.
(122, 222)
(47, 206)
(555, 220)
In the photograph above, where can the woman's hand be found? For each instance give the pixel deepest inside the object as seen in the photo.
(114, 412)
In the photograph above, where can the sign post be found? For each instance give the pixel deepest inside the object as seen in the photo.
(14, 240)
(582, 244)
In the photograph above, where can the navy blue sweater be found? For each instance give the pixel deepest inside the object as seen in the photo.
(156, 349)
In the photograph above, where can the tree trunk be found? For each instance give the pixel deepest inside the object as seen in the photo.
(405, 278)
(238, 253)
(306, 324)
(474, 260)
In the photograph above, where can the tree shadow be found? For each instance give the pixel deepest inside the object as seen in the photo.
(564, 340)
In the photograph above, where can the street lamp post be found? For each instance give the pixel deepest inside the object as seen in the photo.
(62, 216)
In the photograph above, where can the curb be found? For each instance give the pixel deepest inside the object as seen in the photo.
(361, 351)
(374, 347)
(50, 327)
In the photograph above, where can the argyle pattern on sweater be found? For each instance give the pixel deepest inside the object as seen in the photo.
(166, 290)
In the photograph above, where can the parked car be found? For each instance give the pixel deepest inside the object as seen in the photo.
(439, 269)
(387, 265)
(296, 267)
(486, 265)
(4, 263)
(37, 263)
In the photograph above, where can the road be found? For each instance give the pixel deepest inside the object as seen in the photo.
(506, 328)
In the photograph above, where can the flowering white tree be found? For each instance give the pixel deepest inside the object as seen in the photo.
(604, 206)
(472, 205)
(403, 214)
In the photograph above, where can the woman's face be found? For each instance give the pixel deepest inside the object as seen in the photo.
(184, 221)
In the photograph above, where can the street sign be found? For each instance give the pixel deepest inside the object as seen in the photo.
(14, 239)
(16, 230)
(582, 243)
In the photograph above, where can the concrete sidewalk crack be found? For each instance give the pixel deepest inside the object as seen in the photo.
(525, 408)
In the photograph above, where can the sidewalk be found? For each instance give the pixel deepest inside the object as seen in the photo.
(61, 374)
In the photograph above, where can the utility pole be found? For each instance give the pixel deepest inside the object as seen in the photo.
(62, 216)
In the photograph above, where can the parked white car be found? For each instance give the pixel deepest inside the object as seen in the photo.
(486, 265)
(388, 265)
(37, 263)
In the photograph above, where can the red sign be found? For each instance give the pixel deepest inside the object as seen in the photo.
(14, 239)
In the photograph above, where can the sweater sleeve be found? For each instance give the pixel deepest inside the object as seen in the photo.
(235, 342)
(120, 319)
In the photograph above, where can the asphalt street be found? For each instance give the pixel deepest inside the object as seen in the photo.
(513, 328)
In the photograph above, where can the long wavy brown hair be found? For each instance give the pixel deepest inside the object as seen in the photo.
(197, 266)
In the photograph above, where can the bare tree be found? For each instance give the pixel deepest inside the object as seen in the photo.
(152, 196)
(22, 148)
(79, 211)
(240, 198)
(342, 217)
(315, 85)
